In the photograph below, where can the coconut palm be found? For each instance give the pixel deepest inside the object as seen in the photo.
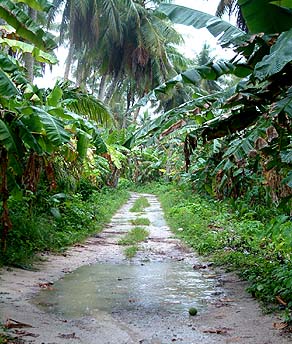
(133, 45)
(231, 7)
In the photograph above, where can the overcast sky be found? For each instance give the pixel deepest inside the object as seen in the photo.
(194, 40)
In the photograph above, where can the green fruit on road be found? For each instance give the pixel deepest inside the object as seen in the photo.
(193, 311)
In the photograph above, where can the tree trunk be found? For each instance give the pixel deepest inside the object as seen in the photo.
(102, 86)
(27, 57)
(69, 61)
(112, 87)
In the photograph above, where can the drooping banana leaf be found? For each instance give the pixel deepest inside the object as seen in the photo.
(37, 53)
(284, 104)
(83, 140)
(282, 3)
(265, 16)
(8, 64)
(25, 27)
(38, 5)
(210, 71)
(27, 137)
(226, 125)
(279, 57)
(7, 87)
(226, 33)
(47, 125)
(86, 105)
(7, 138)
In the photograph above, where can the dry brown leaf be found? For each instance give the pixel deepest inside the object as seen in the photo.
(68, 336)
(280, 326)
(226, 299)
(11, 323)
(281, 301)
(223, 330)
(46, 285)
(23, 333)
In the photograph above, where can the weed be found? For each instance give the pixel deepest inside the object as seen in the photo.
(140, 204)
(131, 251)
(54, 225)
(140, 221)
(135, 235)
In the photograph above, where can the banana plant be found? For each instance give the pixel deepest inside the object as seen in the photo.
(24, 26)
(262, 98)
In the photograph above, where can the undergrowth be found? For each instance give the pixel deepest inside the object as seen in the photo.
(140, 221)
(57, 222)
(134, 236)
(131, 251)
(256, 244)
(140, 204)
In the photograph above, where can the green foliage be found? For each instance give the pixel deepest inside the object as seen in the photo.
(141, 221)
(134, 236)
(257, 246)
(140, 204)
(216, 26)
(25, 27)
(131, 251)
(57, 221)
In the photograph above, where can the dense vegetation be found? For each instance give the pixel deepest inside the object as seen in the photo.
(222, 139)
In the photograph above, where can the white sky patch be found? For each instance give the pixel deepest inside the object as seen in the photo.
(194, 38)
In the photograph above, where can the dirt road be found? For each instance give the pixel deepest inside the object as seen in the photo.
(226, 313)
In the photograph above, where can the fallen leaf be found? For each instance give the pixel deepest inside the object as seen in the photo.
(11, 323)
(68, 336)
(280, 326)
(226, 300)
(281, 301)
(46, 285)
(23, 333)
(223, 330)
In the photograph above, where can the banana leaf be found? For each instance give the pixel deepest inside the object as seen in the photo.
(25, 27)
(226, 33)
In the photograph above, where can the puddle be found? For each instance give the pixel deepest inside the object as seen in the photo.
(153, 287)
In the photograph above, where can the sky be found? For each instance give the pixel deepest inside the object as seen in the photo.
(194, 40)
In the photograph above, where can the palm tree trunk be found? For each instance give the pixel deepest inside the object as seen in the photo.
(102, 86)
(69, 60)
(27, 57)
(79, 73)
(112, 87)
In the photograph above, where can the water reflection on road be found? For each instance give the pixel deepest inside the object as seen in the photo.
(151, 286)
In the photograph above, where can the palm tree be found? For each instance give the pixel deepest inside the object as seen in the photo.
(203, 58)
(133, 45)
(231, 7)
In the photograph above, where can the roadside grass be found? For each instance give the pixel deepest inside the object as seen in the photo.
(140, 221)
(140, 204)
(257, 247)
(57, 223)
(131, 251)
(134, 236)
(5, 338)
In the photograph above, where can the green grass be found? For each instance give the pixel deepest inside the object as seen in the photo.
(139, 205)
(134, 236)
(131, 251)
(55, 226)
(5, 339)
(140, 221)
